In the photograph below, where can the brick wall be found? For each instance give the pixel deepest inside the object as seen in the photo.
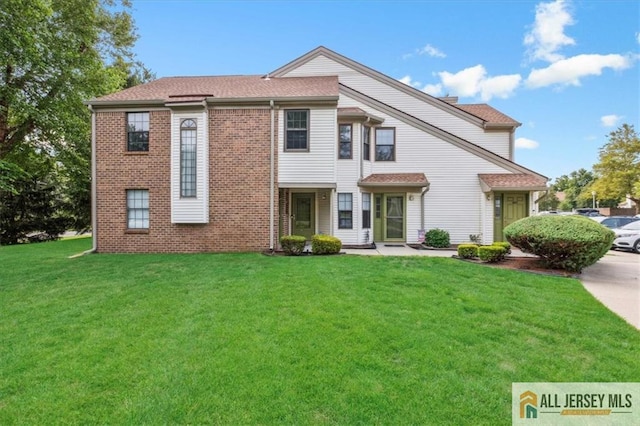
(239, 145)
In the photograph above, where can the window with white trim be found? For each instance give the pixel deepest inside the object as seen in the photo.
(296, 130)
(138, 208)
(188, 165)
(366, 210)
(385, 144)
(366, 144)
(345, 211)
(345, 145)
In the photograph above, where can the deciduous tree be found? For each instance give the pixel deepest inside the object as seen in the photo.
(618, 168)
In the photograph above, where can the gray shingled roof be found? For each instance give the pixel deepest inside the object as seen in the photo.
(512, 181)
(487, 113)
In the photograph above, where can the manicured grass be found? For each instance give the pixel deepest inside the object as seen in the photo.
(246, 338)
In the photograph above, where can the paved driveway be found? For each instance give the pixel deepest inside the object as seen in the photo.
(615, 281)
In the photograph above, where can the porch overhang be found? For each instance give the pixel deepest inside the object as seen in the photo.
(358, 114)
(307, 185)
(411, 181)
(511, 182)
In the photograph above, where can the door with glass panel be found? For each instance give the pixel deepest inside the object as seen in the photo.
(394, 217)
(303, 215)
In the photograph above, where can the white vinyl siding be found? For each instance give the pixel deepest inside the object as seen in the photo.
(318, 164)
(190, 209)
(497, 142)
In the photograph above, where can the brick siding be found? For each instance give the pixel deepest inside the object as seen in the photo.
(239, 157)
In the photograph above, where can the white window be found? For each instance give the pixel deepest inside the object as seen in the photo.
(345, 211)
(138, 209)
(297, 130)
(366, 210)
(188, 150)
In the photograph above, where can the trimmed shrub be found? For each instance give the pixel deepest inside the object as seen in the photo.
(504, 244)
(563, 242)
(292, 245)
(325, 244)
(491, 254)
(438, 238)
(468, 251)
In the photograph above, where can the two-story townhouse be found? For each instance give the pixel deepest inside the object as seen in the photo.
(321, 145)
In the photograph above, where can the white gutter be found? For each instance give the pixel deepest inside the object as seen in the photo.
(272, 177)
(94, 185)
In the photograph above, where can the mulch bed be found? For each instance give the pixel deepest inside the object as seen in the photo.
(526, 264)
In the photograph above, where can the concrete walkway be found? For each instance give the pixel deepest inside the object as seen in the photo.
(614, 280)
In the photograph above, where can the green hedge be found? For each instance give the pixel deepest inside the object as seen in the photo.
(438, 238)
(565, 242)
(491, 253)
(468, 251)
(325, 244)
(292, 245)
(504, 244)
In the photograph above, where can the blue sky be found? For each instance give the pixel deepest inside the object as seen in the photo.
(569, 70)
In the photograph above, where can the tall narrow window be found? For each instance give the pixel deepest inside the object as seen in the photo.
(345, 211)
(188, 145)
(297, 130)
(345, 148)
(366, 145)
(386, 144)
(138, 209)
(137, 131)
(366, 210)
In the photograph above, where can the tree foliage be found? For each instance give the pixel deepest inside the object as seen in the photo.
(55, 55)
(575, 186)
(618, 168)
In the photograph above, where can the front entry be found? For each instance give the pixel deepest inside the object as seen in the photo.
(303, 214)
(507, 208)
(389, 217)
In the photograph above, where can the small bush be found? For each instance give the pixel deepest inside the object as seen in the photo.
(292, 245)
(491, 253)
(504, 244)
(325, 244)
(468, 251)
(564, 242)
(438, 238)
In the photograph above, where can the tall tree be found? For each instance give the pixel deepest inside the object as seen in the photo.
(573, 186)
(618, 168)
(55, 54)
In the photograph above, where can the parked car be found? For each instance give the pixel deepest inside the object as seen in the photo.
(628, 237)
(588, 212)
(598, 219)
(617, 221)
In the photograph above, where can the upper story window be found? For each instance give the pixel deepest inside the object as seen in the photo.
(138, 208)
(137, 131)
(346, 147)
(386, 144)
(366, 144)
(188, 167)
(297, 130)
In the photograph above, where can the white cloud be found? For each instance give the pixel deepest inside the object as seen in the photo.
(547, 35)
(524, 143)
(431, 51)
(473, 81)
(569, 71)
(433, 89)
(638, 37)
(610, 120)
(409, 82)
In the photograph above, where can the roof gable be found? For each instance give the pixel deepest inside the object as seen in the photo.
(370, 72)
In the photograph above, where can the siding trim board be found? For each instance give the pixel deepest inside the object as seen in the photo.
(437, 132)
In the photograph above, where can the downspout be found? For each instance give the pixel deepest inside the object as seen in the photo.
(94, 185)
(272, 178)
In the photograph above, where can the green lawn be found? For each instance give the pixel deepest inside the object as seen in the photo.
(246, 338)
